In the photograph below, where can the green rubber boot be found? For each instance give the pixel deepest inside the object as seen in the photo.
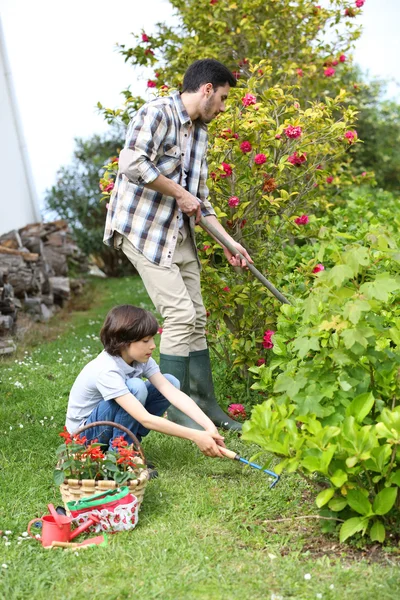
(202, 390)
(179, 367)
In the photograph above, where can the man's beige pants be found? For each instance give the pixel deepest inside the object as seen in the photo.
(176, 294)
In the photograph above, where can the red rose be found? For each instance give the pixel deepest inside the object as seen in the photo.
(149, 51)
(237, 410)
(226, 289)
(303, 220)
(151, 83)
(299, 72)
(261, 361)
(297, 159)
(145, 38)
(360, 3)
(233, 201)
(260, 159)
(342, 58)
(249, 99)
(109, 187)
(329, 179)
(318, 268)
(245, 147)
(267, 339)
(293, 132)
(227, 170)
(351, 136)
(329, 72)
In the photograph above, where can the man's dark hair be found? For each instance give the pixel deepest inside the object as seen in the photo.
(125, 324)
(207, 70)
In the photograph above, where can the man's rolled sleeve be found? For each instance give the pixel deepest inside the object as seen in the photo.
(136, 167)
(146, 133)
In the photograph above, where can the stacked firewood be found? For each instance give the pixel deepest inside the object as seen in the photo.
(34, 264)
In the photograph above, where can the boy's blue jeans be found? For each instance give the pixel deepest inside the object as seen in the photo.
(109, 410)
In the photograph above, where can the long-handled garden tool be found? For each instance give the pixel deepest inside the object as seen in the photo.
(225, 242)
(230, 454)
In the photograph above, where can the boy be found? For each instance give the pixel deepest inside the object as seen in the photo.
(111, 388)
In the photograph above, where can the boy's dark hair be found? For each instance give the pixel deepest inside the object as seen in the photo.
(207, 70)
(125, 324)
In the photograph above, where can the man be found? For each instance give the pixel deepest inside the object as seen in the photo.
(159, 196)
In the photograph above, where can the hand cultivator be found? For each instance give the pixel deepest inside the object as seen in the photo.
(234, 456)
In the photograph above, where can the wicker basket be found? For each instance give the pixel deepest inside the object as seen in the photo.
(74, 489)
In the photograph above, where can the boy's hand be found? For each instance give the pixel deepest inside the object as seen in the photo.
(208, 443)
(219, 439)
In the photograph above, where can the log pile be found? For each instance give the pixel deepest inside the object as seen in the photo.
(34, 278)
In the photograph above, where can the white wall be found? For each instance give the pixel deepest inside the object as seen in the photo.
(18, 202)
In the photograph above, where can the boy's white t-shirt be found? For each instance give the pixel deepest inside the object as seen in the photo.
(104, 378)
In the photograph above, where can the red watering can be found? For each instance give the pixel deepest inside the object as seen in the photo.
(57, 528)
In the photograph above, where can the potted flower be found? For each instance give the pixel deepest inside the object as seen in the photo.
(86, 468)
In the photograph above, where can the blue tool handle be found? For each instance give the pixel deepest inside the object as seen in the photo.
(251, 464)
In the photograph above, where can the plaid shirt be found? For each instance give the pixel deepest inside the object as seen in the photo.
(156, 138)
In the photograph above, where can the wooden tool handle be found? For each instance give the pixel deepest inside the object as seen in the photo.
(228, 453)
(64, 544)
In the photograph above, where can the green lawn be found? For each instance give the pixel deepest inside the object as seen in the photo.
(201, 532)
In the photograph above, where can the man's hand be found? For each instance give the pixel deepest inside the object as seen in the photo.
(235, 260)
(208, 443)
(189, 204)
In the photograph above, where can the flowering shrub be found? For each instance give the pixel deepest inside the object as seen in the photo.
(79, 460)
(333, 382)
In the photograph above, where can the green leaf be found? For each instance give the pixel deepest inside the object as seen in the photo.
(311, 463)
(358, 502)
(304, 344)
(58, 477)
(110, 466)
(337, 504)
(384, 501)
(279, 345)
(380, 289)
(339, 478)
(377, 533)
(361, 406)
(353, 310)
(350, 527)
(355, 258)
(395, 478)
(340, 273)
(324, 497)
(353, 336)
